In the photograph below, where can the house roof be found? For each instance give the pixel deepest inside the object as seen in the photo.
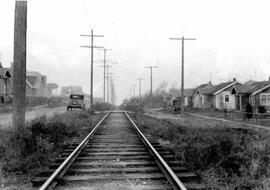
(252, 88)
(4, 73)
(214, 89)
(222, 86)
(202, 88)
(189, 92)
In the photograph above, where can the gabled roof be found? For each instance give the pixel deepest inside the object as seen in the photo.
(203, 88)
(260, 90)
(222, 86)
(252, 88)
(4, 73)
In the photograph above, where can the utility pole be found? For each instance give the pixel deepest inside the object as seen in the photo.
(92, 60)
(109, 78)
(151, 84)
(19, 68)
(112, 91)
(182, 76)
(104, 75)
(140, 87)
(133, 89)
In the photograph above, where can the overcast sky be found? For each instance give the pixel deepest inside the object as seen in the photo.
(232, 40)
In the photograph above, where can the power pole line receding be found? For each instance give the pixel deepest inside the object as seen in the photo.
(140, 87)
(151, 83)
(109, 80)
(92, 60)
(133, 89)
(104, 74)
(182, 75)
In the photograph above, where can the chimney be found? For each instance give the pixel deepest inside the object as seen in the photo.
(234, 79)
(269, 78)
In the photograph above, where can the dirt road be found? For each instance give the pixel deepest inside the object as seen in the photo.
(197, 121)
(6, 118)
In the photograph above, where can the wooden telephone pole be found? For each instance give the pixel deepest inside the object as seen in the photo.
(151, 83)
(182, 75)
(92, 60)
(19, 68)
(140, 87)
(105, 66)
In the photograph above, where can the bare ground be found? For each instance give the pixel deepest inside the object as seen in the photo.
(194, 121)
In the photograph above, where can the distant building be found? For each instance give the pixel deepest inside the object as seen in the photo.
(52, 89)
(255, 93)
(5, 84)
(233, 95)
(218, 96)
(67, 90)
(36, 84)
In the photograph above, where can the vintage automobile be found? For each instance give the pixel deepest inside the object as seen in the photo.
(76, 101)
(176, 105)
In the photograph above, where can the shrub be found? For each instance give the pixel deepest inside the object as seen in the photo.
(235, 158)
(41, 140)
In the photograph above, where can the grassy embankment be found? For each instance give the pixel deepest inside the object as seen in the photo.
(226, 157)
(24, 154)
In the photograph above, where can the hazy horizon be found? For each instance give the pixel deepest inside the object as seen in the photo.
(232, 41)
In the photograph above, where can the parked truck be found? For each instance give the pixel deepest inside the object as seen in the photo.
(172, 105)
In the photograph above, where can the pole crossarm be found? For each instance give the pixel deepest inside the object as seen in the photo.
(91, 47)
(151, 67)
(89, 35)
(182, 38)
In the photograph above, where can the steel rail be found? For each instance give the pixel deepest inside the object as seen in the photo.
(170, 175)
(68, 161)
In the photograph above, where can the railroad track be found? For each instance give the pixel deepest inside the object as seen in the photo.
(116, 155)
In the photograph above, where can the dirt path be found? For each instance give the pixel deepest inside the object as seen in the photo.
(199, 121)
(6, 118)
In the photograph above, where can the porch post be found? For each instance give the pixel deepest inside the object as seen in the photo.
(240, 101)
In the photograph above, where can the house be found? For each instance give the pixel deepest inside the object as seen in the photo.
(223, 95)
(36, 84)
(255, 93)
(67, 90)
(201, 98)
(188, 94)
(215, 96)
(5, 84)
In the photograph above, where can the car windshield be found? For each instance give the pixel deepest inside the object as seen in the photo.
(177, 102)
(76, 96)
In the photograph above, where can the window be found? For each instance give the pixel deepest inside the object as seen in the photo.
(265, 99)
(226, 98)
